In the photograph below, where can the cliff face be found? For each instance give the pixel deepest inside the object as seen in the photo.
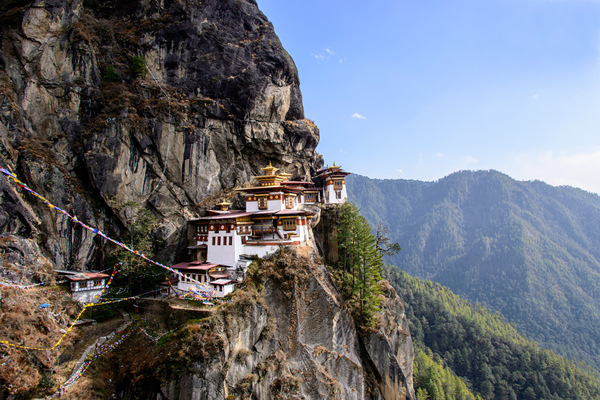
(286, 336)
(161, 103)
(170, 104)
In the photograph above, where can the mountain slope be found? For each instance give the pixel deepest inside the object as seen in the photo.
(482, 349)
(526, 249)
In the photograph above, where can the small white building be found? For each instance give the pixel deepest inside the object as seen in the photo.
(332, 181)
(86, 287)
(204, 277)
(223, 287)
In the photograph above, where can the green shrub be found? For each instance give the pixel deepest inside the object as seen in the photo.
(46, 381)
(111, 75)
(138, 67)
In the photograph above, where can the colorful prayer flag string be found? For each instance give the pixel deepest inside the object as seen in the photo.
(100, 351)
(75, 220)
(12, 284)
(90, 228)
(6, 343)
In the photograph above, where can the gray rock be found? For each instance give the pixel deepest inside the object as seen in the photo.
(220, 98)
(292, 339)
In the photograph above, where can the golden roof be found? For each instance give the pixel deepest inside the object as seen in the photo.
(269, 170)
(285, 174)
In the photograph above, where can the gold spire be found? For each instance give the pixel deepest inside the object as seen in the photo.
(286, 175)
(269, 170)
(224, 205)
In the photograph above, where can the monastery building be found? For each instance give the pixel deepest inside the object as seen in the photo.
(278, 213)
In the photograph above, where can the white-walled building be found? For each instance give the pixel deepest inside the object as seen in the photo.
(209, 277)
(274, 217)
(276, 214)
(332, 182)
(86, 287)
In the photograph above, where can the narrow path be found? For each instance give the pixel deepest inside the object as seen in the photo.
(102, 339)
(80, 366)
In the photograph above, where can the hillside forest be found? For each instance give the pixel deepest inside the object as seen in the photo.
(465, 351)
(526, 250)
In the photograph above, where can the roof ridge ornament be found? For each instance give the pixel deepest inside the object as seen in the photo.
(224, 205)
(270, 169)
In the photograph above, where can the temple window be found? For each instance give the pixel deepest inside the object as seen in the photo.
(262, 203)
(289, 224)
(289, 202)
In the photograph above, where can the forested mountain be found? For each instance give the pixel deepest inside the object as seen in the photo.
(489, 355)
(526, 249)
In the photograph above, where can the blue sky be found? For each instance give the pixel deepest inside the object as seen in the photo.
(420, 89)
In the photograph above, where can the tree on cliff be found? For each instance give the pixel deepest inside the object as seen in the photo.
(140, 224)
(384, 244)
(359, 267)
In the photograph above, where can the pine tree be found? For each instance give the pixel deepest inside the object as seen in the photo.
(359, 267)
(138, 272)
(384, 244)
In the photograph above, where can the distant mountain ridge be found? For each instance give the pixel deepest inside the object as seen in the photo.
(526, 249)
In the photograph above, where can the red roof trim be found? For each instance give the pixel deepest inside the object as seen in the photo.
(222, 282)
(194, 266)
(87, 276)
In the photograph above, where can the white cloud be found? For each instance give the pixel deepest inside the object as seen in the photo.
(574, 169)
(319, 57)
(535, 96)
(329, 52)
(470, 160)
(400, 171)
(439, 155)
(358, 116)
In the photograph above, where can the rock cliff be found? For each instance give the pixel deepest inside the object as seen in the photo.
(287, 335)
(162, 103)
(171, 104)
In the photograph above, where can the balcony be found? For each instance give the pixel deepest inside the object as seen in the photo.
(261, 230)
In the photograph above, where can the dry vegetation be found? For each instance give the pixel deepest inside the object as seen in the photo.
(285, 267)
(140, 361)
(24, 323)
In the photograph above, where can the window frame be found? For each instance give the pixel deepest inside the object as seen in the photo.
(263, 202)
(289, 224)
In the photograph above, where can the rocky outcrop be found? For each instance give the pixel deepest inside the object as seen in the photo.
(390, 349)
(325, 232)
(287, 335)
(162, 103)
